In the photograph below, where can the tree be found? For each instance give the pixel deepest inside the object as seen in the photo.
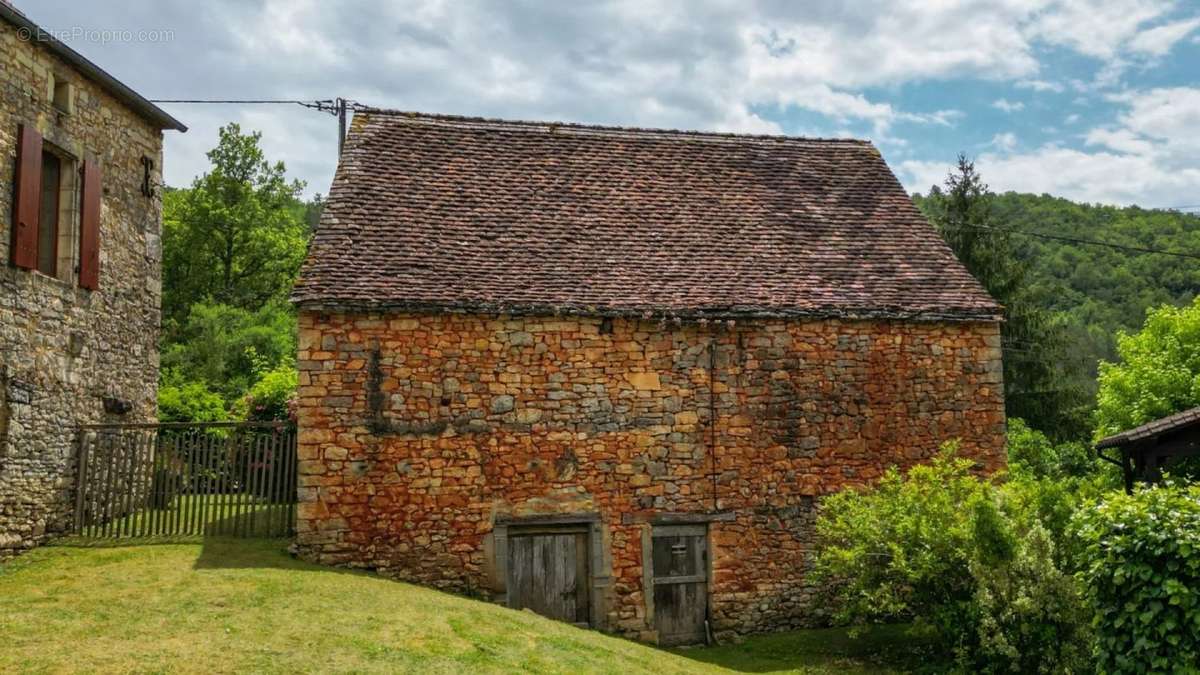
(227, 349)
(1038, 371)
(237, 236)
(1158, 373)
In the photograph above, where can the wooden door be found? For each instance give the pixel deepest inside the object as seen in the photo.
(680, 576)
(548, 572)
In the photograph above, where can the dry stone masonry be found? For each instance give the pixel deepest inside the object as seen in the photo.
(70, 355)
(420, 432)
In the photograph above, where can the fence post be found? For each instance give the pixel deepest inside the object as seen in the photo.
(80, 481)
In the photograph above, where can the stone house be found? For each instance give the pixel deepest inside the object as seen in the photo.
(606, 373)
(80, 222)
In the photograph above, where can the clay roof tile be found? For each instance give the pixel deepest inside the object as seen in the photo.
(440, 213)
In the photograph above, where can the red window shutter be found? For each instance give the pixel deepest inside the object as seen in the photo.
(27, 198)
(89, 227)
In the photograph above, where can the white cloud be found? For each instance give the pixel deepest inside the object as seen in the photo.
(1041, 85)
(1121, 34)
(701, 64)
(1120, 140)
(1147, 158)
(1102, 177)
(1169, 115)
(1006, 141)
(1007, 105)
(1072, 118)
(1097, 29)
(1158, 41)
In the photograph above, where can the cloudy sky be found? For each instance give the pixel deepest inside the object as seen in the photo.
(1094, 100)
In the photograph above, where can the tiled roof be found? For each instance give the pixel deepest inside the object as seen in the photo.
(1151, 429)
(438, 213)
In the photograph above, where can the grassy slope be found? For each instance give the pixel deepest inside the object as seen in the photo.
(235, 606)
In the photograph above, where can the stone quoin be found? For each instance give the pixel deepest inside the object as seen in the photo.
(608, 374)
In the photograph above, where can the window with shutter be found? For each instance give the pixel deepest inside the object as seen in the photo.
(27, 198)
(52, 171)
(89, 227)
(58, 229)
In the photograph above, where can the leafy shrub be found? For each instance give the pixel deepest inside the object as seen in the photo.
(1031, 453)
(1141, 572)
(180, 400)
(228, 348)
(272, 397)
(1052, 503)
(902, 549)
(1031, 618)
(944, 549)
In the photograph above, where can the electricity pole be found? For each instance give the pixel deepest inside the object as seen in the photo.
(341, 115)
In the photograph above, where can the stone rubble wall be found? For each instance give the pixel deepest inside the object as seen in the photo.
(63, 349)
(419, 433)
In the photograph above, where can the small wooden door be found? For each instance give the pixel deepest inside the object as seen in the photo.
(680, 575)
(548, 572)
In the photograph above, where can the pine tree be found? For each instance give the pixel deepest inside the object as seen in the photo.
(1038, 371)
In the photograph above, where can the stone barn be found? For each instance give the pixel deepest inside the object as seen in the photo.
(80, 281)
(607, 374)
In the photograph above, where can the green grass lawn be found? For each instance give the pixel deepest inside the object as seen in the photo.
(244, 605)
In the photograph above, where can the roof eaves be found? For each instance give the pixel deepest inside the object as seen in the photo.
(1152, 429)
(112, 85)
(987, 315)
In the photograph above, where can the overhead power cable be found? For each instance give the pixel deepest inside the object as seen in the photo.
(1088, 242)
(325, 105)
(337, 107)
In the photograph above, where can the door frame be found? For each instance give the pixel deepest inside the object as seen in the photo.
(598, 563)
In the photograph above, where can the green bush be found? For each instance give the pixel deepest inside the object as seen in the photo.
(1140, 567)
(229, 349)
(183, 401)
(1052, 503)
(1030, 616)
(952, 552)
(272, 397)
(1031, 453)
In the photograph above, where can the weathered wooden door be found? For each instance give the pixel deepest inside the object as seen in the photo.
(680, 559)
(548, 572)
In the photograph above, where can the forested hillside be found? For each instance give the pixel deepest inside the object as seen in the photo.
(1103, 289)
(1096, 291)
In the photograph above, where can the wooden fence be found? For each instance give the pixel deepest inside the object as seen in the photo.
(150, 480)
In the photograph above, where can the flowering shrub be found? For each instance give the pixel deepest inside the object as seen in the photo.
(273, 397)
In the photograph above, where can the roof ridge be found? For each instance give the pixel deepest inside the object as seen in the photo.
(467, 121)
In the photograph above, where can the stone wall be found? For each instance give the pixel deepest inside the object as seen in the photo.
(420, 434)
(64, 349)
